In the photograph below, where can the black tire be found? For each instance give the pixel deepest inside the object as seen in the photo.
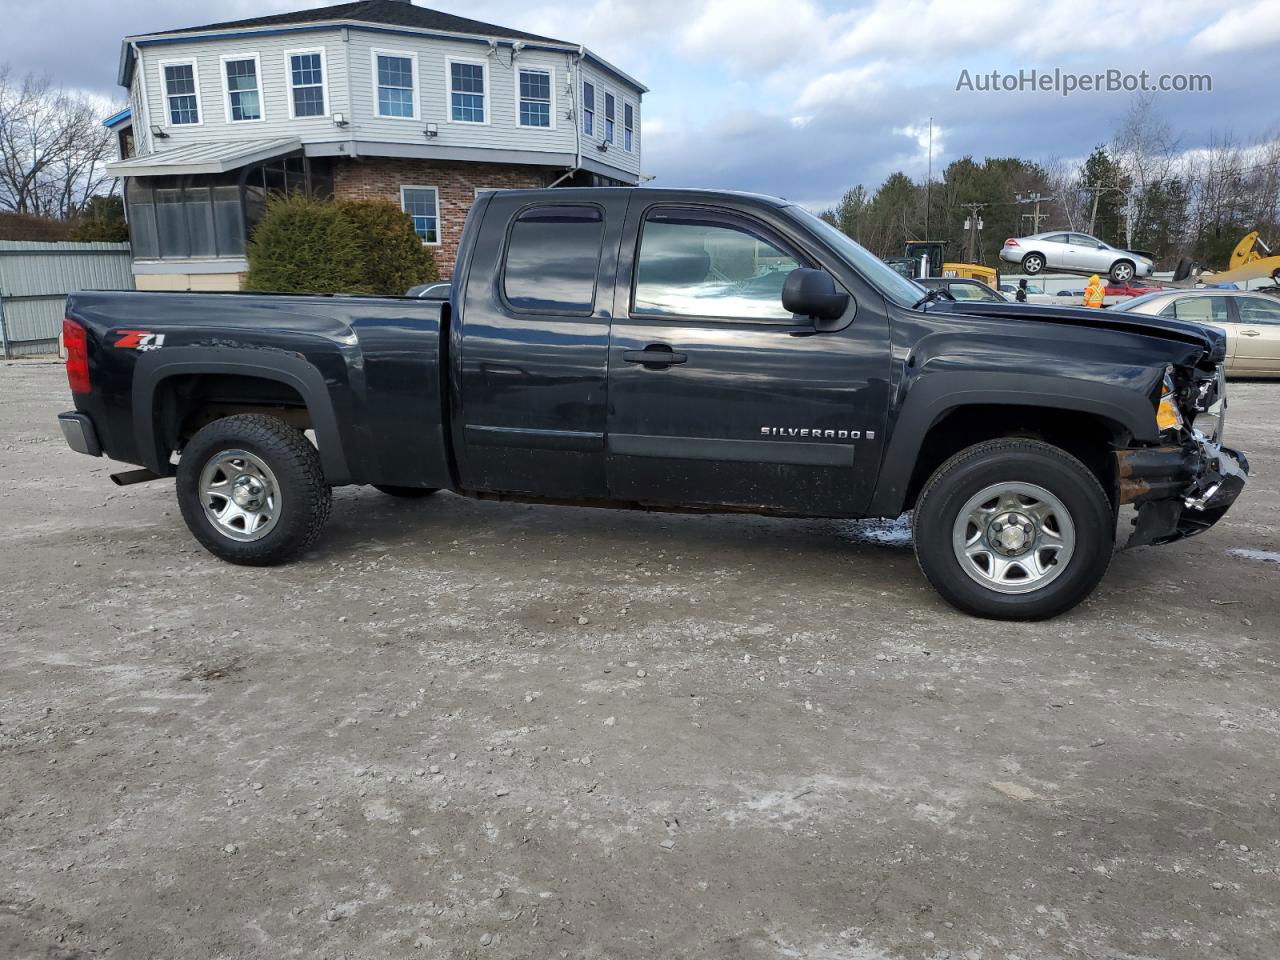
(1033, 263)
(1122, 271)
(303, 498)
(1185, 268)
(972, 471)
(408, 493)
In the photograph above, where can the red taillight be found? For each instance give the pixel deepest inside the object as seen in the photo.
(1011, 242)
(76, 344)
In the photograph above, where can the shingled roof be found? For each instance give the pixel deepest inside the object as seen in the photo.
(396, 13)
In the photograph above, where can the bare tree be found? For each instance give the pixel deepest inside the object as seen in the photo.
(1146, 153)
(53, 149)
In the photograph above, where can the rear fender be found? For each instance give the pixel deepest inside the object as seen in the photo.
(155, 367)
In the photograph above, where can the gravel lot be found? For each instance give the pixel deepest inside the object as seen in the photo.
(462, 729)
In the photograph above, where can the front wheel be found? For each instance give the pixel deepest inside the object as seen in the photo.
(1014, 530)
(252, 490)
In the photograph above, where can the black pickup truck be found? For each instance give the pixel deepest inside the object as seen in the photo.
(672, 350)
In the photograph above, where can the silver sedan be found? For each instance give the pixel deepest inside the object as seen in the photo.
(1251, 322)
(1075, 253)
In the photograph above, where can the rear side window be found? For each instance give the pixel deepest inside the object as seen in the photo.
(553, 255)
(1199, 309)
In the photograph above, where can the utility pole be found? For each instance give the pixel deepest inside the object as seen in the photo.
(973, 224)
(1037, 216)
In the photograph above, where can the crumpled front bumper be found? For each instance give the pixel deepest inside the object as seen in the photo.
(1179, 491)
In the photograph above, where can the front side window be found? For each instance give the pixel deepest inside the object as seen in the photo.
(394, 76)
(628, 126)
(306, 84)
(588, 108)
(535, 98)
(695, 264)
(1258, 310)
(609, 105)
(552, 259)
(466, 92)
(244, 102)
(1080, 240)
(180, 93)
(423, 205)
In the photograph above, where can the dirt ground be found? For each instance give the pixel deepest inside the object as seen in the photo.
(461, 729)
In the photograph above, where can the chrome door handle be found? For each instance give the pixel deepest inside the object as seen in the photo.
(1250, 333)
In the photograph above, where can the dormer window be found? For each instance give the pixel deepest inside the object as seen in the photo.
(244, 98)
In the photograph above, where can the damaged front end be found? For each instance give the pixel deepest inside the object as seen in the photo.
(1185, 485)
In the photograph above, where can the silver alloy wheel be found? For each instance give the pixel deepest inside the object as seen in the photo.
(1013, 537)
(1032, 263)
(1122, 272)
(240, 495)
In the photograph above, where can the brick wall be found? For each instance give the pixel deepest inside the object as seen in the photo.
(380, 178)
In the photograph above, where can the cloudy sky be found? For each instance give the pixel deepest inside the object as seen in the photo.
(803, 98)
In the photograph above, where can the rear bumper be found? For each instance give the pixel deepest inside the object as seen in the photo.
(77, 430)
(1179, 491)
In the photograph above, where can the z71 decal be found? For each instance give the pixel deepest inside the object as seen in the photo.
(139, 340)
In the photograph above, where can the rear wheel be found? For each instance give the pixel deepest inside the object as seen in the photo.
(408, 493)
(1122, 271)
(1032, 263)
(252, 490)
(1014, 530)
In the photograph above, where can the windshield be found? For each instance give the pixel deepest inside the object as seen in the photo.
(874, 270)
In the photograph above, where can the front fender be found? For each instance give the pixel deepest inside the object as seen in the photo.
(938, 390)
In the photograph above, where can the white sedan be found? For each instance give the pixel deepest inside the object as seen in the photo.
(1075, 253)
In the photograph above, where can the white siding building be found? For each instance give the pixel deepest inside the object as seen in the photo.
(377, 98)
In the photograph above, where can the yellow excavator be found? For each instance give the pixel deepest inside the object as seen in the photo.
(1252, 259)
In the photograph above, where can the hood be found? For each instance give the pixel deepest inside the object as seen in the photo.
(1213, 340)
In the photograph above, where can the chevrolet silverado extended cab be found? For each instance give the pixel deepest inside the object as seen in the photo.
(672, 349)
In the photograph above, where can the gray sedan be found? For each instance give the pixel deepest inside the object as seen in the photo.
(1251, 321)
(1075, 253)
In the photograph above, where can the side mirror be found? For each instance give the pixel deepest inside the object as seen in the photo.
(814, 294)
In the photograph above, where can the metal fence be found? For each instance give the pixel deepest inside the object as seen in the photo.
(35, 279)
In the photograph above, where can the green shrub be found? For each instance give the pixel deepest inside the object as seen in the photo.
(304, 245)
(102, 220)
(394, 258)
